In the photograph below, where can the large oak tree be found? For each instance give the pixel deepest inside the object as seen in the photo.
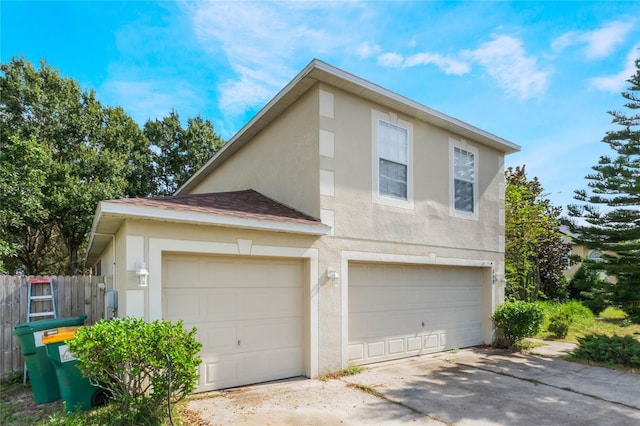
(178, 152)
(62, 152)
(87, 148)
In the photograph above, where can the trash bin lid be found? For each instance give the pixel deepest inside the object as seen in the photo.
(30, 327)
(59, 334)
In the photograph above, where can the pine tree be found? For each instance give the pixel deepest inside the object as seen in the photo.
(612, 203)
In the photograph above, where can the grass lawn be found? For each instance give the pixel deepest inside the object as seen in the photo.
(608, 340)
(610, 321)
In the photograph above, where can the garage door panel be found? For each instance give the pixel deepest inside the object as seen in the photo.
(181, 305)
(249, 314)
(228, 304)
(184, 272)
(263, 335)
(232, 338)
(387, 323)
(422, 309)
(232, 370)
(426, 297)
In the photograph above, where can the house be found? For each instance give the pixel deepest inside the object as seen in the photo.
(343, 224)
(579, 253)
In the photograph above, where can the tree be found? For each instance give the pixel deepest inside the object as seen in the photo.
(70, 152)
(179, 152)
(536, 252)
(615, 186)
(24, 229)
(591, 288)
(89, 148)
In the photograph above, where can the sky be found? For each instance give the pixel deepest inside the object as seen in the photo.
(542, 75)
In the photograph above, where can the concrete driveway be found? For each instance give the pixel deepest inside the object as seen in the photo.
(478, 386)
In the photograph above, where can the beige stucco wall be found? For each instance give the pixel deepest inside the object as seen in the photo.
(114, 270)
(281, 162)
(429, 221)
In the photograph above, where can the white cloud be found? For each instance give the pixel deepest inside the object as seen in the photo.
(251, 37)
(249, 89)
(506, 62)
(365, 50)
(598, 43)
(617, 82)
(391, 59)
(265, 36)
(447, 65)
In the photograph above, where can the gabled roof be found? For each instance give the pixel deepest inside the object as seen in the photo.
(241, 209)
(318, 71)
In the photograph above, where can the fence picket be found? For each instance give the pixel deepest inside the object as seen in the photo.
(74, 296)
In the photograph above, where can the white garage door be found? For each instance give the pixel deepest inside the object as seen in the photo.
(248, 312)
(401, 311)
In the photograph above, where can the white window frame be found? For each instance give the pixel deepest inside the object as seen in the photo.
(377, 198)
(463, 145)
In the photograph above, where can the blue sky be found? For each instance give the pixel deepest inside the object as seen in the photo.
(540, 74)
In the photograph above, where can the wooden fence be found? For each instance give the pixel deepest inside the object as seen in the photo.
(74, 295)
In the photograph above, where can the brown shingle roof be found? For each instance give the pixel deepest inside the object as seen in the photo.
(247, 204)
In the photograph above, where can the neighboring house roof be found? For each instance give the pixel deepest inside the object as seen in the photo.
(241, 209)
(564, 229)
(318, 71)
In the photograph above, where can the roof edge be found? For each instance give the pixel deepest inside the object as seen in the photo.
(318, 70)
(195, 178)
(179, 216)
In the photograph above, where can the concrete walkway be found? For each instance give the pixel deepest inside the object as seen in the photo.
(477, 386)
(551, 348)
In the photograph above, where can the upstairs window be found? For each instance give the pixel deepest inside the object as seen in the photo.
(464, 191)
(393, 156)
(464, 179)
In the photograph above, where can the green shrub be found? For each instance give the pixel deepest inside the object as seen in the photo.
(576, 311)
(614, 313)
(518, 320)
(614, 350)
(573, 313)
(587, 286)
(128, 357)
(559, 325)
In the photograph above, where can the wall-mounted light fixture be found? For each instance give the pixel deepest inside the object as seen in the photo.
(498, 279)
(333, 276)
(142, 273)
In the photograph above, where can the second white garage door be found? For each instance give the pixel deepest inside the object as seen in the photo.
(248, 311)
(396, 311)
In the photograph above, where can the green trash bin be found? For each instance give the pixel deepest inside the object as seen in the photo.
(42, 375)
(76, 390)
